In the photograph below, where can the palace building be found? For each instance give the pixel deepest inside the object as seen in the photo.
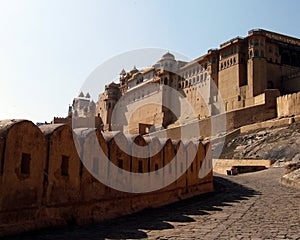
(237, 75)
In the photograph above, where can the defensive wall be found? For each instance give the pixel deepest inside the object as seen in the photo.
(43, 181)
(226, 122)
(288, 105)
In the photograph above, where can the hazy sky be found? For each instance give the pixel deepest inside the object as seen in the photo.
(48, 48)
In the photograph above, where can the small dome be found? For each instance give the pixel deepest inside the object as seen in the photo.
(81, 94)
(88, 95)
(168, 55)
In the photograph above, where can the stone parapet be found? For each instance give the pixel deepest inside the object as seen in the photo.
(43, 181)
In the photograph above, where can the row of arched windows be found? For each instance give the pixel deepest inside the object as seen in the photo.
(256, 42)
(227, 63)
(195, 80)
(257, 53)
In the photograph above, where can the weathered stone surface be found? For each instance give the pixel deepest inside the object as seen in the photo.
(181, 163)
(118, 150)
(43, 183)
(62, 166)
(23, 163)
(282, 143)
(292, 178)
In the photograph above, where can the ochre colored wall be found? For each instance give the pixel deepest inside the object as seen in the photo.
(225, 122)
(90, 188)
(227, 79)
(62, 188)
(288, 105)
(148, 113)
(20, 190)
(46, 198)
(180, 167)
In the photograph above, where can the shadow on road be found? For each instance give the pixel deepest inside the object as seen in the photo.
(136, 226)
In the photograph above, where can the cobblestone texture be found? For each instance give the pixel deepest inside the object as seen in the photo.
(248, 206)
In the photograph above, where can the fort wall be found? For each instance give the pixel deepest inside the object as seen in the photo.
(288, 105)
(227, 121)
(44, 183)
(79, 122)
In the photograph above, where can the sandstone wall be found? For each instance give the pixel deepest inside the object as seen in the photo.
(44, 183)
(288, 105)
(62, 166)
(225, 122)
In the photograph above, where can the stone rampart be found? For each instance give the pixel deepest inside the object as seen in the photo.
(43, 181)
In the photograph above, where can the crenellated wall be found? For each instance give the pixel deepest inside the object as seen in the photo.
(43, 181)
(288, 105)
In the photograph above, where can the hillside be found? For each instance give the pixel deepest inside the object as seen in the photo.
(280, 143)
(275, 143)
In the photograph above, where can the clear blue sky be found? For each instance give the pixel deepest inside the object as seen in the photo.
(48, 48)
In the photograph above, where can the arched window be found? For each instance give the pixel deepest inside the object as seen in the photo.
(251, 43)
(250, 54)
(179, 85)
(256, 53)
(166, 81)
(262, 54)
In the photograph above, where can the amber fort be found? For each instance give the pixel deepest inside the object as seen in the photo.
(44, 182)
(244, 75)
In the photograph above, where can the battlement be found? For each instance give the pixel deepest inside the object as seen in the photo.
(288, 105)
(49, 184)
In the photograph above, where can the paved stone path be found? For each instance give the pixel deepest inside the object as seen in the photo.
(248, 206)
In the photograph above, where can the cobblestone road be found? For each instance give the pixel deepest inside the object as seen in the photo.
(248, 206)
